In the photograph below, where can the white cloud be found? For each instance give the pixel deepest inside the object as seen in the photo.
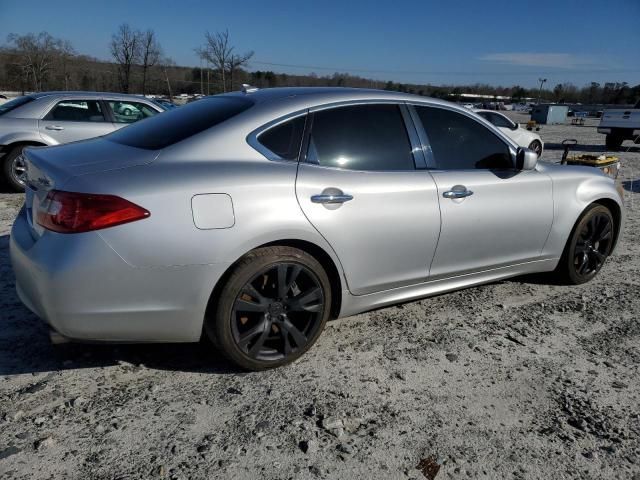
(556, 60)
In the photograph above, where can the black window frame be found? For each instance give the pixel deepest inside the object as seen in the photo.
(426, 145)
(253, 138)
(419, 162)
(106, 116)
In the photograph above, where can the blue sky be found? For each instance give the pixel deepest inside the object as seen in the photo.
(447, 41)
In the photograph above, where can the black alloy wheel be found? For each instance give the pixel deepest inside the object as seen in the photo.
(272, 308)
(277, 311)
(593, 244)
(588, 247)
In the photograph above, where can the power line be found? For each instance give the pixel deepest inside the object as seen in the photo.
(439, 72)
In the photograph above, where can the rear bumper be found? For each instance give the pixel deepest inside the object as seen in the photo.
(85, 291)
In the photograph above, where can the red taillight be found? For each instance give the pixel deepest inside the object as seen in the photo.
(70, 212)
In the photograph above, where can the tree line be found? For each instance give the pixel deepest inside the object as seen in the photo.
(39, 62)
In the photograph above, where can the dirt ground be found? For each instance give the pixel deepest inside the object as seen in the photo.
(517, 379)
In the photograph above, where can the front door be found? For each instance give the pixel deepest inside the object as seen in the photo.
(492, 214)
(73, 120)
(360, 189)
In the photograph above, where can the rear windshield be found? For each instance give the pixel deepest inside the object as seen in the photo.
(15, 103)
(177, 124)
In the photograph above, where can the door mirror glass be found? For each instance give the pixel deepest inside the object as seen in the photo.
(526, 159)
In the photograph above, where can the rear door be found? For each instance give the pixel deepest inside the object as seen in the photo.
(360, 187)
(74, 119)
(492, 214)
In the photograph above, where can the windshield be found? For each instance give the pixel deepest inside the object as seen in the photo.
(15, 103)
(177, 124)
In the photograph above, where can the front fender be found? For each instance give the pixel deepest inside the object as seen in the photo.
(574, 189)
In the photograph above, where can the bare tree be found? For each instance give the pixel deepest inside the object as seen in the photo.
(66, 53)
(36, 53)
(238, 61)
(219, 53)
(125, 49)
(151, 52)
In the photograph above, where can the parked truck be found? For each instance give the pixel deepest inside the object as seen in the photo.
(620, 125)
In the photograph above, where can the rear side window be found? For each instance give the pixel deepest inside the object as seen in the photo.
(76, 111)
(461, 143)
(496, 119)
(361, 137)
(15, 103)
(178, 124)
(284, 140)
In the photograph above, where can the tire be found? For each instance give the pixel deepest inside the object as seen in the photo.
(536, 146)
(588, 247)
(127, 112)
(613, 142)
(258, 324)
(9, 172)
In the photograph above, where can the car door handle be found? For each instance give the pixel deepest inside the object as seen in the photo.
(339, 198)
(54, 127)
(457, 193)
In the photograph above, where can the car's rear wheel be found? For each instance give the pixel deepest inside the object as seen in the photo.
(588, 246)
(14, 168)
(272, 308)
(536, 146)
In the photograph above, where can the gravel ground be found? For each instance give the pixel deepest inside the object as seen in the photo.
(517, 379)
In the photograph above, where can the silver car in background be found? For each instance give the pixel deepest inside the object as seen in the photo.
(255, 217)
(53, 118)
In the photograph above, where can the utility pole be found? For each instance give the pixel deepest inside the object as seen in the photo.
(541, 80)
(208, 70)
(168, 84)
(201, 78)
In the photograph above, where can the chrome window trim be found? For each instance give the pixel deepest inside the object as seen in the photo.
(252, 138)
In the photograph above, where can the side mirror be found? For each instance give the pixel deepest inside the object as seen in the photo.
(526, 159)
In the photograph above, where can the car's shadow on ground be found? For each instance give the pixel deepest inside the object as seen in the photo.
(25, 346)
(580, 147)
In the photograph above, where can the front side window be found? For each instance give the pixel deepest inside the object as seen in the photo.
(77, 111)
(285, 139)
(361, 137)
(461, 143)
(129, 112)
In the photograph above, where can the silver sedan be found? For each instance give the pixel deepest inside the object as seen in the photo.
(53, 118)
(255, 217)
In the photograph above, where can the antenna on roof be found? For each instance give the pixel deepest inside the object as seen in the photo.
(246, 88)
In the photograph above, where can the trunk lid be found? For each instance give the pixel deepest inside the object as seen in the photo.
(49, 168)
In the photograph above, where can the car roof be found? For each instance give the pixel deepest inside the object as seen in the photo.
(331, 94)
(93, 94)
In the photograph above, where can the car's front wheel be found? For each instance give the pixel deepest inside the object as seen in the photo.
(536, 146)
(588, 246)
(14, 168)
(272, 308)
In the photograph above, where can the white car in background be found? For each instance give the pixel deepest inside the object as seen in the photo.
(3, 99)
(522, 136)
